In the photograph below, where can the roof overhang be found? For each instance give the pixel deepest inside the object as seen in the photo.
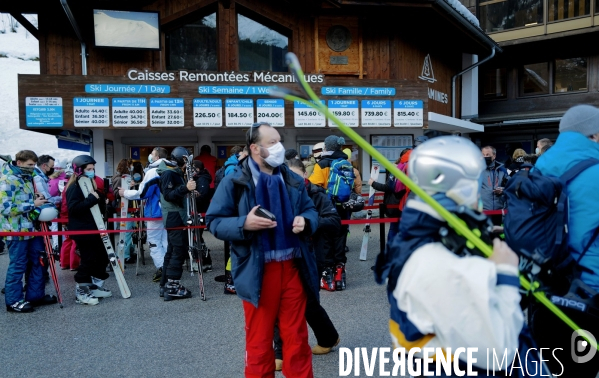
(448, 124)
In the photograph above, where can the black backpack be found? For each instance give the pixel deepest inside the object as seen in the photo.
(220, 174)
(536, 227)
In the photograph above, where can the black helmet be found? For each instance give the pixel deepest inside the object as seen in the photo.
(177, 155)
(80, 162)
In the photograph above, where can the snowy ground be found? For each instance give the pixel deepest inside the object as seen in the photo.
(19, 54)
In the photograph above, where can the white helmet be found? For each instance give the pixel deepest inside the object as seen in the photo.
(48, 213)
(317, 149)
(450, 165)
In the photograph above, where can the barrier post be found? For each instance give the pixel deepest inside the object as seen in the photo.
(382, 208)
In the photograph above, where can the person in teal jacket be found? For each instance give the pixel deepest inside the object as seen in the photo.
(578, 141)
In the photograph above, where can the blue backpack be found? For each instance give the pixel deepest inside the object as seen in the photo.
(536, 226)
(341, 180)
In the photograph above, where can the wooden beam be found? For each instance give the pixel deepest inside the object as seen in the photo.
(186, 12)
(25, 22)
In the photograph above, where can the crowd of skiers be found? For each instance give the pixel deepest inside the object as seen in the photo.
(282, 219)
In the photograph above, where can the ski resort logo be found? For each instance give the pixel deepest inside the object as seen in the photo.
(427, 70)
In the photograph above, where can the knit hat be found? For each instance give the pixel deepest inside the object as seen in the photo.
(583, 119)
(333, 143)
(290, 154)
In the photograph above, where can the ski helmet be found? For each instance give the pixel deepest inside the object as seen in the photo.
(48, 213)
(450, 165)
(80, 162)
(317, 149)
(178, 154)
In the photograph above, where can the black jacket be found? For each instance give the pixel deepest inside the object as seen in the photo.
(390, 197)
(173, 190)
(80, 216)
(203, 180)
(328, 218)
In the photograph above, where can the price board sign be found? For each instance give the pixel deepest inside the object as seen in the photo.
(408, 113)
(346, 110)
(239, 112)
(129, 112)
(91, 111)
(43, 111)
(376, 113)
(167, 112)
(305, 116)
(271, 111)
(207, 112)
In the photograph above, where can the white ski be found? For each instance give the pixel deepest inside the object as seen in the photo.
(125, 182)
(374, 174)
(86, 187)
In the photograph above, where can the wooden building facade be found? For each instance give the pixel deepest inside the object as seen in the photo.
(411, 48)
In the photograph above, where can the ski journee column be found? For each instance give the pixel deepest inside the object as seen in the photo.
(347, 112)
(129, 112)
(91, 111)
(167, 112)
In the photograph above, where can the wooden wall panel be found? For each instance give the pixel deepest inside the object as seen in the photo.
(387, 51)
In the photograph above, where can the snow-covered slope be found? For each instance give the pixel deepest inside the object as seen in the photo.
(111, 31)
(14, 49)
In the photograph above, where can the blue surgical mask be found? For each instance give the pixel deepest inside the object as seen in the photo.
(150, 159)
(537, 151)
(90, 174)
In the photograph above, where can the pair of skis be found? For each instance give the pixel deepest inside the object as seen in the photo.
(125, 184)
(87, 187)
(193, 235)
(374, 174)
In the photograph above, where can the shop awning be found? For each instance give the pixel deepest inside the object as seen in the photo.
(445, 123)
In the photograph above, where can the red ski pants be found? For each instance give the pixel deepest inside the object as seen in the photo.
(68, 256)
(283, 298)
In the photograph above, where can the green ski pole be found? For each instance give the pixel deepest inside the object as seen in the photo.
(311, 99)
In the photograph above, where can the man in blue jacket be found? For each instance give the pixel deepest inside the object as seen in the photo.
(578, 141)
(271, 261)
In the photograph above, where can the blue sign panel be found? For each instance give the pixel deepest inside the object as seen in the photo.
(127, 88)
(43, 111)
(233, 90)
(357, 91)
(221, 152)
(135, 153)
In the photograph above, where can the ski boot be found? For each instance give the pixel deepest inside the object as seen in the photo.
(326, 280)
(98, 290)
(340, 277)
(206, 259)
(84, 294)
(157, 275)
(20, 306)
(174, 290)
(229, 285)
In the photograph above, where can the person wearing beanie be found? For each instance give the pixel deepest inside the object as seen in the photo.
(578, 141)
(291, 154)
(331, 152)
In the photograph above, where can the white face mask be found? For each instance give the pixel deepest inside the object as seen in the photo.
(276, 155)
(537, 151)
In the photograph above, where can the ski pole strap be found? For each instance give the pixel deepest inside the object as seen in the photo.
(591, 241)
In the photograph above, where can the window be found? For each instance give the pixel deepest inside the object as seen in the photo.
(534, 79)
(563, 9)
(498, 15)
(193, 46)
(494, 83)
(260, 48)
(570, 75)
(557, 76)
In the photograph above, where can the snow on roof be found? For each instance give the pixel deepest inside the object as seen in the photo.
(457, 5)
